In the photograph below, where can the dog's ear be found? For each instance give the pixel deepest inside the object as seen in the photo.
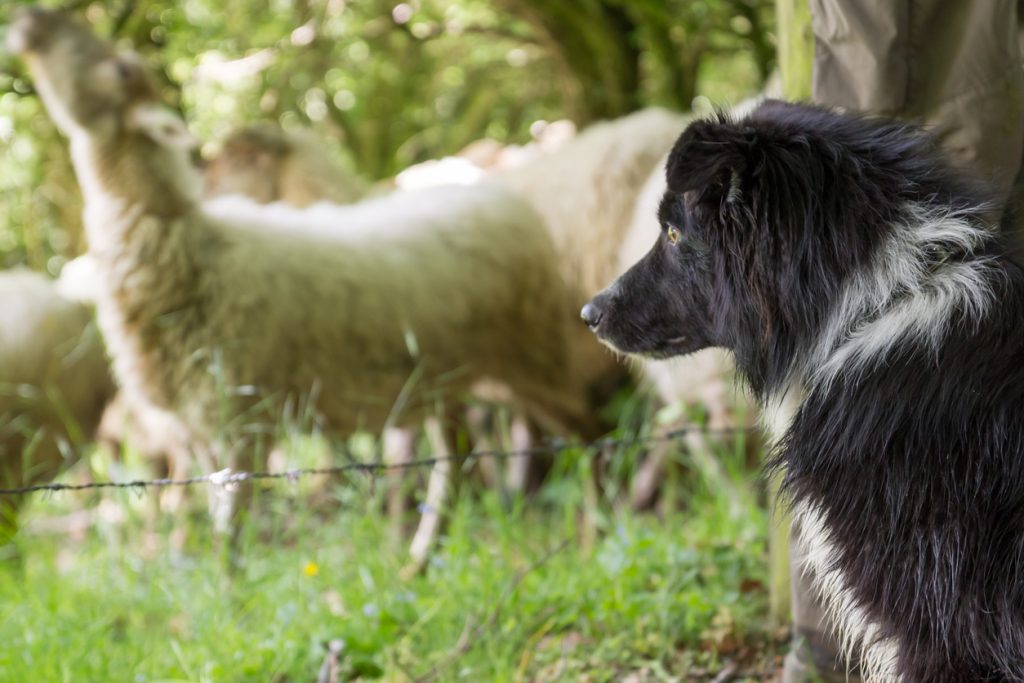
(709, 159)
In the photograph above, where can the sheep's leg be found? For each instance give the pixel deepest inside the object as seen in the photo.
(171, 500)
(483, 428)
(178, 460)
(593, 497)
(398, 450)
(648, 478)
(230, 501)
(441, 492)
(518, 467)
(241, 504)
(216, 493)
(247, 457)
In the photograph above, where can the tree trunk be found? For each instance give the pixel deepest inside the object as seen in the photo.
(594, 43)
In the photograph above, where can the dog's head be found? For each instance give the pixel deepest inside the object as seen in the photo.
(762, 221)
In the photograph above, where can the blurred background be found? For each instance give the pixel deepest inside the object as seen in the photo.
(641, 558)
(387, 84)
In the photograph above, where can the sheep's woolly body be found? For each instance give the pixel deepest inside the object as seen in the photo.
(586, 191)
(54, 380)
(48, 344)
(234, 319)
(432, 291)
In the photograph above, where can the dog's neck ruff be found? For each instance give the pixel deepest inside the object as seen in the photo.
(930, 275)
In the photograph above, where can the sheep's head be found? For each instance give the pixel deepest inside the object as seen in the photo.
(250, 164)
(86, 85)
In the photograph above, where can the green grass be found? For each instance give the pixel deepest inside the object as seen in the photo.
(662, 597)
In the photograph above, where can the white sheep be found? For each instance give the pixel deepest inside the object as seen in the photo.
(153, 433)
(54, 385)
(225, 314)
(267, 163)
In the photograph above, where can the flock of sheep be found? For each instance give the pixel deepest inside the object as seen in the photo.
(229, 301)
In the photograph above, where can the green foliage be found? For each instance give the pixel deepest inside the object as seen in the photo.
(389, 83)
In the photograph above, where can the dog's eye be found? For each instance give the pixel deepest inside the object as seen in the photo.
(673, 234)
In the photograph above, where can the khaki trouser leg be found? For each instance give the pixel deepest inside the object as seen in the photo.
(954, 66)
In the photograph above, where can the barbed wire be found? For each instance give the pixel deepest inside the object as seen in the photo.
(226, 477)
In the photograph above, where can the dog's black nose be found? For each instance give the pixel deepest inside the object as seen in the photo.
(592, 315)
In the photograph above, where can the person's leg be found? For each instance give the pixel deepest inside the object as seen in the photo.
(954, 66)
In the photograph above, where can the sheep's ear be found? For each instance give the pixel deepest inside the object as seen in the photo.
(708, 160)
(161, 125)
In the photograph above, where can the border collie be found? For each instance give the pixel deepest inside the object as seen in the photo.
(879, 319)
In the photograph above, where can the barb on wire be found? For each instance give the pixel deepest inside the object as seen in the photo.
(226, 477)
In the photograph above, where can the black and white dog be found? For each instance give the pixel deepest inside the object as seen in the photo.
(879, 318)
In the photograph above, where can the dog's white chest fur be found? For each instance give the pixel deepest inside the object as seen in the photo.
(855, 632)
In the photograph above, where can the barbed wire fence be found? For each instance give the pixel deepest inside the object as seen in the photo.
(476, 625)
(227, 477)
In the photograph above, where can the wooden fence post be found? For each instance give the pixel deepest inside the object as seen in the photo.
(795, 47)
(795, 55)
